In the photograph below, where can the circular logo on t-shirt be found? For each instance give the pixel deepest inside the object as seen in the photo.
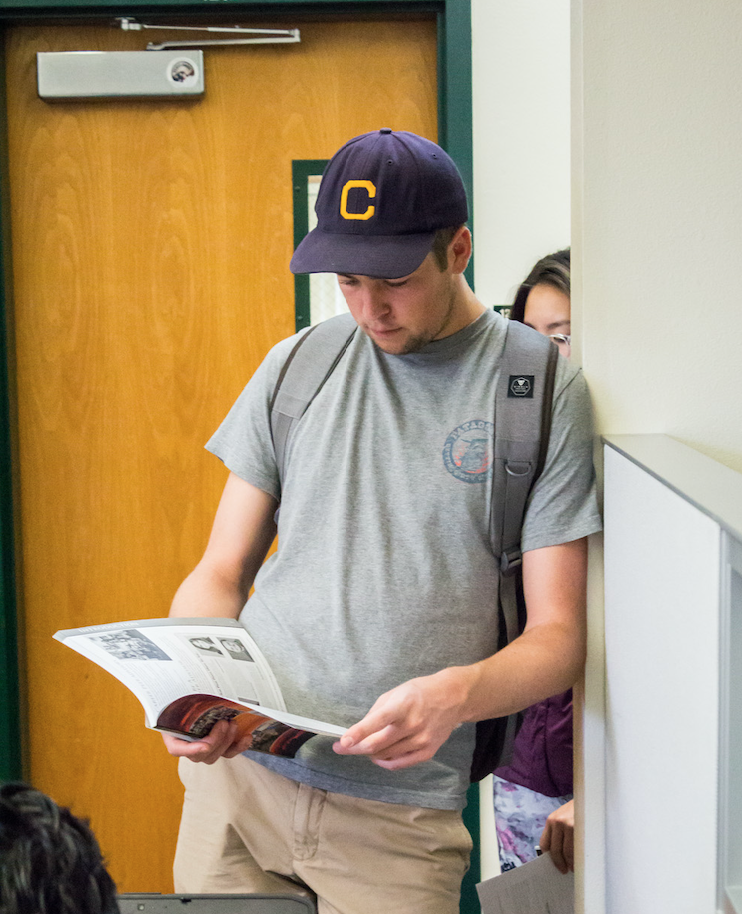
(467, 452)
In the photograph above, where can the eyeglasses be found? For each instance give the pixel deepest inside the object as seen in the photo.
(561, 339)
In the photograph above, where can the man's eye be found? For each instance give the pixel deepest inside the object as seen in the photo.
(396, 285)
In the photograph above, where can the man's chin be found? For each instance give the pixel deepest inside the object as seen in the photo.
(398, 342)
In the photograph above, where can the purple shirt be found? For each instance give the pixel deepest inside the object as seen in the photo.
(542, 753)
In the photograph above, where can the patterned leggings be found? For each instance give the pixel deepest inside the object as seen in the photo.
(520, 816)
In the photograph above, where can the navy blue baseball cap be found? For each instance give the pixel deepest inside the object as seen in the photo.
(382, 198)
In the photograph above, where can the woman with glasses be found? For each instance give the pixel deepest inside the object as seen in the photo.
(543, 300)
(533, 794)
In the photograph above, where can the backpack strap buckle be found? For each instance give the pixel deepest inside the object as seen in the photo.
(518, 468)
(511, 560)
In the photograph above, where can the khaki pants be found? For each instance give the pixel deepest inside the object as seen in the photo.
(247, 829)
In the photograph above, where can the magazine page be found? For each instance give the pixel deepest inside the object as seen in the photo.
(161, 660)
(536, 887)
(275, 732)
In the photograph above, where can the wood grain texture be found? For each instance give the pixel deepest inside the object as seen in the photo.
(151, 242)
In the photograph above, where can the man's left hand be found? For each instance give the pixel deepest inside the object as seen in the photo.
(408, 724)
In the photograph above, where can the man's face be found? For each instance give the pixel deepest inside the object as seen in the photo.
(403, 315)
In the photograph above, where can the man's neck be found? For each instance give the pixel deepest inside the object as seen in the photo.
(466, 308)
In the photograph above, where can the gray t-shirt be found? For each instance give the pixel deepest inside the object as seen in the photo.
(384, 569)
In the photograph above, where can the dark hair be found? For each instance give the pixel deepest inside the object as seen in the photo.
(439, 249)
(552, 270)
(50, 861)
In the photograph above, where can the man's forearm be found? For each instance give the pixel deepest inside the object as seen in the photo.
(550, 654)
(543, 661)
(205, 593)
(408, 724)
(243, 531)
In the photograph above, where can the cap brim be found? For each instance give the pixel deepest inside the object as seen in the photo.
(383, 256)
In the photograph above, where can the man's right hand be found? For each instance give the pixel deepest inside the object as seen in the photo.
(222, 742)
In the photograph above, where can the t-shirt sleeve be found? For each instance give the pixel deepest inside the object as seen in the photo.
(243, 441)
(563, 505)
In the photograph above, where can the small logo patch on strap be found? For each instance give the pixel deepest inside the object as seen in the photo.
(521, 385)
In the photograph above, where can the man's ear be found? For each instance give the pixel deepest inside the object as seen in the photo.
(459, 250)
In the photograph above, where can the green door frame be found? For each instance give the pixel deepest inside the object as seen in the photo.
(454, 134)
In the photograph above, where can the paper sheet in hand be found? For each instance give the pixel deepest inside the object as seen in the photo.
(534, 888)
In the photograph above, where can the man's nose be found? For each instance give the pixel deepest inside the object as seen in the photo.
(375, 303)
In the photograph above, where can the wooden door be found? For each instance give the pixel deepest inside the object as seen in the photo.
(151, 242)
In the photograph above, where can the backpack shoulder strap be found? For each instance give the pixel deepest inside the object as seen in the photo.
(522, 424)
(309, 364)
(523, 401)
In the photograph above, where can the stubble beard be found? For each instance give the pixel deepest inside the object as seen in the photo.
(414, 344)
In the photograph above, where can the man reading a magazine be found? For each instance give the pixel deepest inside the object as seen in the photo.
(379, 610)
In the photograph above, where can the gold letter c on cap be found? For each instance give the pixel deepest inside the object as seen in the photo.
(366, 185)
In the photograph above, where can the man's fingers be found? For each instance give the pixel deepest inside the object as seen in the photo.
(395, 715)
(223, 737)
(393, 753)
(389, 744)
(206, 750)
(417, 744)
(403, 761)
(375, 744)
(405, 726)
(236, 749)
(371, 732)
(186, 748)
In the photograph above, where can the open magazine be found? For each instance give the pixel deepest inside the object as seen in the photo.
(190, 673)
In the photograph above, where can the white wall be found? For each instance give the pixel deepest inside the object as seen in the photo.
(656, 238)
(657, 233)
(661, 833)
(520, 59)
